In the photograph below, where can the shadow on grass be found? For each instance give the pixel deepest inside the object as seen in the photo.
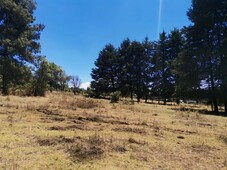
(161, 103)
(201, 111)
(192, 108)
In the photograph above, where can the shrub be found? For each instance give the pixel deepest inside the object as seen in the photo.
(87, 103)
(115, 97)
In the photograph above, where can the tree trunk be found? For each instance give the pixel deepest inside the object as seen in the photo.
(113, 84)
(131, 89)
(138, 93)
(213, 91)
(212, 106)
(164, 100)
(5, 75)
(224, 93)
(5, 84)
(138, 98)
(146, 98)
(225, 107)
(215, 103)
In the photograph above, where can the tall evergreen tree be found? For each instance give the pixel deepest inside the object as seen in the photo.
(221, 34)
(163, 77)
(208, 29)
(175, 47)
(148, 67)
(104, 75)
(18, 37)
(138, 68)
(125, 66)
(186, 68)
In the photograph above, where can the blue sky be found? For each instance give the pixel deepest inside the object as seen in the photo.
(76, 30)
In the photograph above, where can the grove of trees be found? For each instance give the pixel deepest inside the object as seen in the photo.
(187, 63)
(21, 66)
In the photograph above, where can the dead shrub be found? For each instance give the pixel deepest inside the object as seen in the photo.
(87, 103)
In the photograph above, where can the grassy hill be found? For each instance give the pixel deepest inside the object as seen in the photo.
(62, 131)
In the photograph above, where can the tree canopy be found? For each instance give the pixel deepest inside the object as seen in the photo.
(20, 62)
(189, 63)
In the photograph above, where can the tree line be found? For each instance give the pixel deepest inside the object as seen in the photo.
(187, 63)
(21, 65)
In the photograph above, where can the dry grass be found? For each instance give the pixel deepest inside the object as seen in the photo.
(63, 131)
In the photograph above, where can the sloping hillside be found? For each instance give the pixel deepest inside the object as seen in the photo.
(62, 131)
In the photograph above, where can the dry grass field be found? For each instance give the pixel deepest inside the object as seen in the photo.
(62, 131)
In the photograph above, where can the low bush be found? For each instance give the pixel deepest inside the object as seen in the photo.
(115, 97)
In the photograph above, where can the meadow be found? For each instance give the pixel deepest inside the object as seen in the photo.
(63, 131)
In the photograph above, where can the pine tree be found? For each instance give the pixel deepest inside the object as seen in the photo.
(104, 75)
(163, 76)
(175, 47)
(19, 37)
(148, 67)
(126, 67)
(208, 34)
(186, 69)
(138, 64)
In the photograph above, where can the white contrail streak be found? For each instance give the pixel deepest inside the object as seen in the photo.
(159, 17)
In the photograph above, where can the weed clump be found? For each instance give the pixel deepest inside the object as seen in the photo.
(120, 148)
(80, 152)
(95, 139)
(223, 138)
(87, 149)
